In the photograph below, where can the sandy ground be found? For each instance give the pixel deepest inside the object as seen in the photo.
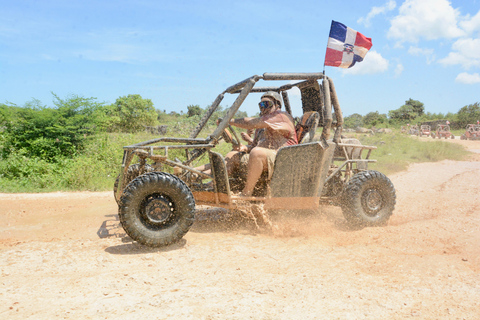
(62, 256)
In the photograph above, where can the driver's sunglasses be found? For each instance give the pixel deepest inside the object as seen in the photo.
(266, 104)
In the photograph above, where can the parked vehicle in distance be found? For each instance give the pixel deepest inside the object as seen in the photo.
(472, 132)
(426, 130)
(413, 130)
(443, 131)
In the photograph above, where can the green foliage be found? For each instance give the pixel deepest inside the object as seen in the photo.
(194, 110)
(405, 114)
(416, 105)
(469, 114)
(21, 173)
(131, 113)
(48, 133)
(106, 118)
(374, 119)
(353, 121)
(408, 112)
(8, 115)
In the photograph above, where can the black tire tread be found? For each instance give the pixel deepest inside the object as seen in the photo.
(147, 184)
(133, 171)
(351, 203)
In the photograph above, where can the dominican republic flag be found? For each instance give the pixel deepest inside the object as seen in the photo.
(345, 46)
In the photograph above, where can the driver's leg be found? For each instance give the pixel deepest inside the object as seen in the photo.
(257, 163)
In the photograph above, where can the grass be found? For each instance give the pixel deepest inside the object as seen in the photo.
(396, 151)
(97, 166)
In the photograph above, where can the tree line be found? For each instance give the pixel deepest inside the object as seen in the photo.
(50, 133)
(47, 133)
(413, 112)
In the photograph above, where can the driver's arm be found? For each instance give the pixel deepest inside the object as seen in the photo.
(249, 123)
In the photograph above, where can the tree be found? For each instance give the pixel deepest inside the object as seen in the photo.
(134, 112)
(417, 106)
(7, 115)
(46, 133)
(404, 113)
(374, 118)
(194, 110)
(408, 112)
(353, 120)
(469, 114)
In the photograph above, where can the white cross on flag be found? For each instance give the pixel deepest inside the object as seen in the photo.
(345, 46)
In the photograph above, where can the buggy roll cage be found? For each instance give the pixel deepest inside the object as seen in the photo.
(328, 97)
(324, 95)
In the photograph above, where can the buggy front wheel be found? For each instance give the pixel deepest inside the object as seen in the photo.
(133, 171)
(156, 209)
(368, 199)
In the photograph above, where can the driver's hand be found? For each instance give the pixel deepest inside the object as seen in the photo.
(246, 137)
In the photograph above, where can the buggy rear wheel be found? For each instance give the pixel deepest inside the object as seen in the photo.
(156, 209)
(368, 199)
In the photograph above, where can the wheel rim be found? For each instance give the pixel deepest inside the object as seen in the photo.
(157, 209)
(372, 202)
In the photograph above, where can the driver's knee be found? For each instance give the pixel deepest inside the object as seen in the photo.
(258, 155)
(258, 152)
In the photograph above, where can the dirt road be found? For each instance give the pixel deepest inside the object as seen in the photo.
(424, 265)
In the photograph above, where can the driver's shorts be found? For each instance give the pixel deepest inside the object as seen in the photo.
(271, 154)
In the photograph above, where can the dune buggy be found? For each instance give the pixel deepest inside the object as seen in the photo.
(426, 130)
(157, 207)
(443, 131)
(413, 130)
(472, 132)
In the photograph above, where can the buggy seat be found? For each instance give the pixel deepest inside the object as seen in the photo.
(306, 126)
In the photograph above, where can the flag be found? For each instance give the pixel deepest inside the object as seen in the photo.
(345, 46)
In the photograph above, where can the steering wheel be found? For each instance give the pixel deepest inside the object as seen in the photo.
(230, 136)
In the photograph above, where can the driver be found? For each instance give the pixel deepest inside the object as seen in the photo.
(273, 129)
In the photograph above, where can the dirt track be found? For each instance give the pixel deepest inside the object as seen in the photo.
(424, 265)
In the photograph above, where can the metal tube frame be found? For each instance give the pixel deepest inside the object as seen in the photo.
(243, 88)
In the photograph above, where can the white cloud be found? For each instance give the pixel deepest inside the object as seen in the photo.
(468, 78)
(373, 63)
(471, 24)
(398, 70)
(389, 6)
(465, 52)
(425, 19)
(428, 53)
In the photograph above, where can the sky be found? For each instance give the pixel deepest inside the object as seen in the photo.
(180, 53)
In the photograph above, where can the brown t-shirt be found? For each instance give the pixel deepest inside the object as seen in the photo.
(280, 131)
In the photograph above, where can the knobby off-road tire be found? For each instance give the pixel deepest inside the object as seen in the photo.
(368, 199)
(156, 209)
(133, 171)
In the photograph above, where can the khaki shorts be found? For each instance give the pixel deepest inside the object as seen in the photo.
(271, 154)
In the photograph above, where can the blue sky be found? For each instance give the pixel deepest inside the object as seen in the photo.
(180, 53)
